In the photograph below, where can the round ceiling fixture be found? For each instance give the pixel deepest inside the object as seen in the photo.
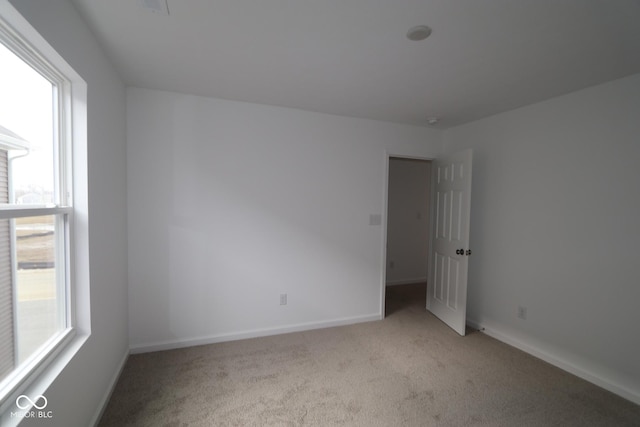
(419, 32)
(432, 121)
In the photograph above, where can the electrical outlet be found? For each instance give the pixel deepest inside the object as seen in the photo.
(283, 299)
(522, 312)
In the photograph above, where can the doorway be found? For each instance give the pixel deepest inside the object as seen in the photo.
(407, 232)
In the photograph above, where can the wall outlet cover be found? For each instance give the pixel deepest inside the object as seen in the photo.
(522, 312)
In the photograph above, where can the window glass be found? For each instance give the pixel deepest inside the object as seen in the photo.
(33, 228)
(27, 114)
(37, 302)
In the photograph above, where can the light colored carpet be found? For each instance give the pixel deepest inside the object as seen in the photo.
(407, 370)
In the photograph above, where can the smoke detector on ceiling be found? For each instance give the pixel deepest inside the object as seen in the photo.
(418, 33)
(156, 6)
(432, 121)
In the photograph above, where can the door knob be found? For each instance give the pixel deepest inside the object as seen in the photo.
(460, 252)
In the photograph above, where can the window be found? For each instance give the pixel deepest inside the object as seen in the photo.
(36, 315)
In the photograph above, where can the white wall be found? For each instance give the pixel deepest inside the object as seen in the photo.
(554, 227)
(408, 220)
(231, 204)
(78, 393)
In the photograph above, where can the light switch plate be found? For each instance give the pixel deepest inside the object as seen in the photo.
(375, 219)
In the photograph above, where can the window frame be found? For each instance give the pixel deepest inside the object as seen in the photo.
(64, 141)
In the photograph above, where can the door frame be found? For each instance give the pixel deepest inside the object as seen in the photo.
(385, 210)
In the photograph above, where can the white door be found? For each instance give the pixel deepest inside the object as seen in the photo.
(449, 254)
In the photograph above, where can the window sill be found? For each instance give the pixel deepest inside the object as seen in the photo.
(43, 374)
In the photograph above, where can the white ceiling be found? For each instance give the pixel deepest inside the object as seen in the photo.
(351, 57)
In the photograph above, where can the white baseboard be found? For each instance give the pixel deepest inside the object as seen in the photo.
(406, 281)
(550, 356)
(112, 385)
(233, 336)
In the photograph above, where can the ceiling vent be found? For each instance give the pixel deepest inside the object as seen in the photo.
(156, 6)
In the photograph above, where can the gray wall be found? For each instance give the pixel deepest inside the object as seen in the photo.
(78, 393)
(554, 228)
(232, 204)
